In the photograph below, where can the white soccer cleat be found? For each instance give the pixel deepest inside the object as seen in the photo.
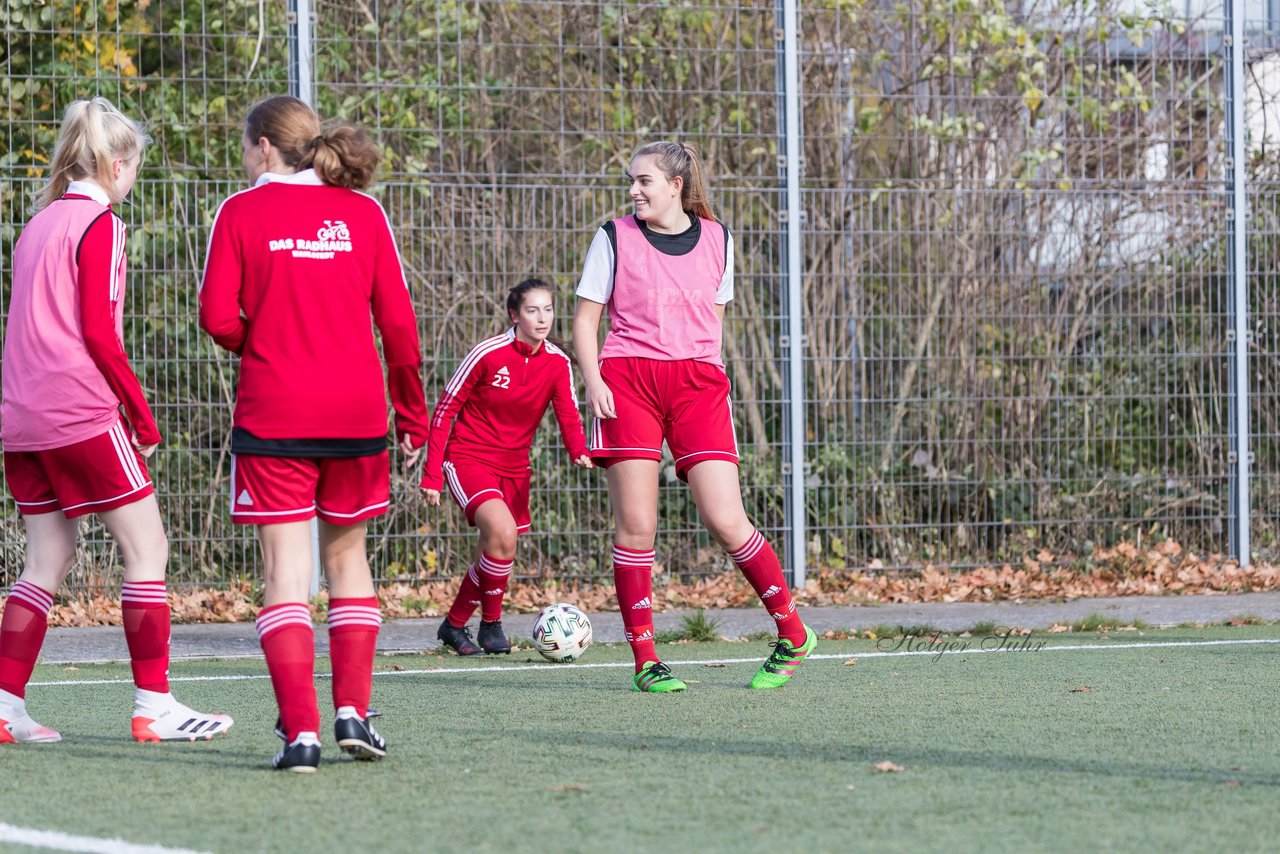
(17, 727)
(159, 717)
(24, 730)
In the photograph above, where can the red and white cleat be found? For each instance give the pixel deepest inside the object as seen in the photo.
(17, 727)
(24, 730)
(159, 717)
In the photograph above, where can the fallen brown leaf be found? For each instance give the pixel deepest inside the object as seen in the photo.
(1083, 689)
(889, 767)
(851, 662)
(1122, 570)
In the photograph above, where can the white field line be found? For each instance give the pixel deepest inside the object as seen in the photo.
(57, 841)
(1022, 644)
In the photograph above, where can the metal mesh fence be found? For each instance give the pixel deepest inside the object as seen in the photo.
(1017, 328)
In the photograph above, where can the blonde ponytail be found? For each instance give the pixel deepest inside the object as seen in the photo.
(93, 134)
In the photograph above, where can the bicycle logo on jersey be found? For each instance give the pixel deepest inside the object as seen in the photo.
(334, 230)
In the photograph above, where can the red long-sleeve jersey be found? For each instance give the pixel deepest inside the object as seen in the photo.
(499, 394)
(294, 268)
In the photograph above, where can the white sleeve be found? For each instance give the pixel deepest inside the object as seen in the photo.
(596, 283)
(725, 293)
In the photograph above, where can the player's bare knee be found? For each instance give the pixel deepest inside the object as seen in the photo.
(46, 570)
(503, 544)
(730, 530)
(636, 532)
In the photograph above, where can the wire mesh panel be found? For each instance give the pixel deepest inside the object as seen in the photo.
(187, 70)
(1015, 304)
(1262, 89)
(1017, 323)
(510, 127)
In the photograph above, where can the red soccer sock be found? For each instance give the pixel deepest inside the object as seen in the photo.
(633, 579)
(146, 631)
(759, 563)
(494, 575)
(22, 629)
(353, 638)
(288, 641)
(467, 600)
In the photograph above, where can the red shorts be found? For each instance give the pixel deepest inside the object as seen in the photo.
(472, 484)
(97, 474)
(340, 490)
(684, 402)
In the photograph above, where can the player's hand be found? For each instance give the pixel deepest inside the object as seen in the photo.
(411, 454)
(431, 496)
(600, 401)
(584, 461)
(145, 450)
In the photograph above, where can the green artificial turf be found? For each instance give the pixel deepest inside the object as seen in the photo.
(1155, 748)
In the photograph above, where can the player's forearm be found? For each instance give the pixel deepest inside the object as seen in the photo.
(586, 346)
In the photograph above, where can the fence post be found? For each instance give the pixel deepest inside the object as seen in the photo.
(301, 48)
(1241, 456)
(792, 165)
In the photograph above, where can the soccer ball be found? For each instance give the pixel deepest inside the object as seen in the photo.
(561, 633)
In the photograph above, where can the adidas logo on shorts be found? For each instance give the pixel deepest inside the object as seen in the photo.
(244, 499)
(643, 603)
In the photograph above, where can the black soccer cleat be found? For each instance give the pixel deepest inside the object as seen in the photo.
(301, 755)
(458, 638)
(493, 640)
(356, 736)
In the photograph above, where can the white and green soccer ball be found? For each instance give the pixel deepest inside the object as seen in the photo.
(561, 633)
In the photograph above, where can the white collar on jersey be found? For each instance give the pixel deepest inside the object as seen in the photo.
(306, 176)
(90, 189)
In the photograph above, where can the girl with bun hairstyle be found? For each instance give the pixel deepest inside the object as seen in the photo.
(301, 268)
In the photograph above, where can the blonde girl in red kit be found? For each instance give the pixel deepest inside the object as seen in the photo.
(68, 451)
(665, 274)
(300, 270)
(498, 395)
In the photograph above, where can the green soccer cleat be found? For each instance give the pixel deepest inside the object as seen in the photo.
(655, 678)
(783, 661)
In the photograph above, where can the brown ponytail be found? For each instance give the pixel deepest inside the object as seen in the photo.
(678, 159)
(342, 155)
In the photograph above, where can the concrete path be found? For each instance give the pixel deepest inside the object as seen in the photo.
(232, 640)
